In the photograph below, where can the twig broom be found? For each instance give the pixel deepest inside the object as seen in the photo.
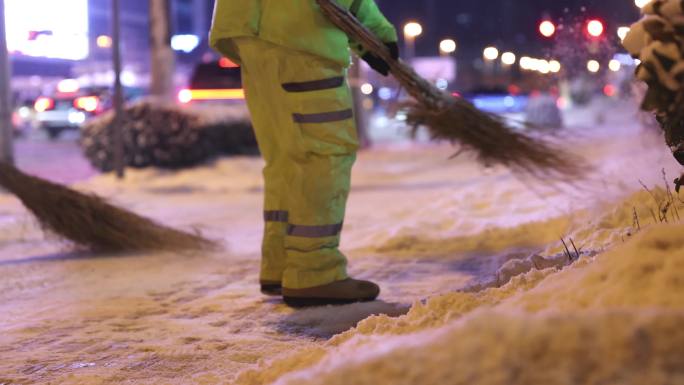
(458, 121)
(89, 221)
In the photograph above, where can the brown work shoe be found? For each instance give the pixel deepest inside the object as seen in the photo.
(273, 288)
(336, 293)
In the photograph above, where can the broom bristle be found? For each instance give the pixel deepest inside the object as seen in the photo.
(457, 120)
(495, 142)
(89, 221)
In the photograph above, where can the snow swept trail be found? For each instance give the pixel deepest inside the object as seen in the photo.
(421, 225)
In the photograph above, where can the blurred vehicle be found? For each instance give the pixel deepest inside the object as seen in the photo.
(217, 81)
(498, 101)
(543, 112)
(71, 106)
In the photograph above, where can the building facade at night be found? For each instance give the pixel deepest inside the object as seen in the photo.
(49, 39)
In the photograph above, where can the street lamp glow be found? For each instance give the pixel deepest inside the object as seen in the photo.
(367, 89)
(622, 32)
(447, 46)
(593, 66)
(526, 63)
(595, 28)
(413, 29)
(547, 28)
(104, 41)
(491, 53)
(555, 66)
(614, 65)
(543, 67)
(508, 58)
(641, 3)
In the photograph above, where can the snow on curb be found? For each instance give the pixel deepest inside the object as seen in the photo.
(612, 318)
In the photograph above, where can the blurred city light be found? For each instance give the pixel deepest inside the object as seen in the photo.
(185, 96)
(622, 32)
(547, 28)
(68, 86)
(385, 93)
(526, 63)
(104, 41)
(188, 95)
(51, 29)
(555, 66)
(367, 89)
(595, 28)
(43, 104)
(491, 53)
(543, 66)
(184, 43)
(413, 29)
(614, 65)
(508, 58)
(593, 66)
(87, 103)
(224, 62)
(442, 84)
(641, 3)
(624, 59)
(76, 117)
(447, 46)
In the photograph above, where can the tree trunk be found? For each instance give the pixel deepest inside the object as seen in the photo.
(163, 58)
(6, 129)
(116, 129)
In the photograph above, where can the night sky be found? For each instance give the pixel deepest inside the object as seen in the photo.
(508, 24)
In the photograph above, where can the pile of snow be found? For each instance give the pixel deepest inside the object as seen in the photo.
(612, 318)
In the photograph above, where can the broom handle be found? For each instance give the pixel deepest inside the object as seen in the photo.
(419, 88)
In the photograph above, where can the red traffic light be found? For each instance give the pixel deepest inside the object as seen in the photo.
(547, 28)
(595, 28)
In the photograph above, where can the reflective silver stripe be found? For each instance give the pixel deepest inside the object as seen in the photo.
(314, 85)
(324, 117)
(314, 231)
(276, 216)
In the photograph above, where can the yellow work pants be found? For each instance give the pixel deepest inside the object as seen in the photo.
(301, 109)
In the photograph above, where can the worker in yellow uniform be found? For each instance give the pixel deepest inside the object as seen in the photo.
(294, 65)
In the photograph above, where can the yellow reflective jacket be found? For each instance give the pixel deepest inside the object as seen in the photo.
(296, 24)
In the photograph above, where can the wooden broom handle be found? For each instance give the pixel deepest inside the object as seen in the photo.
(419, 88)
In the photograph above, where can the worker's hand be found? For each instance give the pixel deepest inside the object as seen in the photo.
(377, 63)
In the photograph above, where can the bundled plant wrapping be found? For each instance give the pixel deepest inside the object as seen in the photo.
(459, 121)
(89, 221)
(657, 40)
(167, 136)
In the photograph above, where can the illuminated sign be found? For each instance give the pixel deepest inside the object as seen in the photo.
(47, 28)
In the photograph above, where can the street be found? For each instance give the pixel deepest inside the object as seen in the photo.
(421, 225)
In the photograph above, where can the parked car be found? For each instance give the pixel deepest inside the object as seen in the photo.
(71, 106)
(217, 81)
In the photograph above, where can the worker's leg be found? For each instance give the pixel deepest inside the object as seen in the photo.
(318, 106)
(257, 81)
(310, 109)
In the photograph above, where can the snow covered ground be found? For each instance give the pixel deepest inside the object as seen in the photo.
(433, 232)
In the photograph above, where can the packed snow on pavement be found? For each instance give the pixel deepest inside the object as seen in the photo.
(477, 286)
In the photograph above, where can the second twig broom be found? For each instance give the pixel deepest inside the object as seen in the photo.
(457, 120)
(89, 221)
